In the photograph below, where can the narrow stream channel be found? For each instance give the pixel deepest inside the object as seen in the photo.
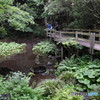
(26, 61)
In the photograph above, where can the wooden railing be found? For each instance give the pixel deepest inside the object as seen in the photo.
(84, 30)
(90, 36)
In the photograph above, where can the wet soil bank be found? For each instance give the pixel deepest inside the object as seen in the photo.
(26, 61)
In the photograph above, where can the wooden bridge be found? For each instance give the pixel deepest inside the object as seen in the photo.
(86, 38)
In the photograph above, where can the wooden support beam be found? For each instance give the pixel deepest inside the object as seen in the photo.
(60, 35)
(76, 35)
(99, 37)
(92, 42)
(62, 53)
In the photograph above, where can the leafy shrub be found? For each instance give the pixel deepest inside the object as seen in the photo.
(67, 77)
(44, 47)
(65, 94)
(70, 42)
(9, 49)
(88, 77)
(86, 72)
(17, 86)
(69, 64)
(3, 32)
(19, 19)
(6, 1)
(51, 86)
(74, 64)
(13, 18)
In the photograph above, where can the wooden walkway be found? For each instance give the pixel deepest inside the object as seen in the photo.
(87, 44)
(86, 38)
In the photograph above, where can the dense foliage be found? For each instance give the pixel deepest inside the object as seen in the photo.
(9, 49)
(44, 47)
(74, 13)
(29, 15)
(70, 43)
(63, 94)
(89, 77)
(13, 18)
(17, 86)
(84, 73)
(72, 74)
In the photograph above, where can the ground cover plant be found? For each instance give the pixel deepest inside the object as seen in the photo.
(68, 42)
(44, 48)
(89, 77)
(86, 73)
(72, 75)
(64, 94)
(25, 18)
(9, 49)
(17, 85)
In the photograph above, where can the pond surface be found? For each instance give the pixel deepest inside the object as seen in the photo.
(26, 61)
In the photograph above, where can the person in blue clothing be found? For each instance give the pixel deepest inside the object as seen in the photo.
(49, 26)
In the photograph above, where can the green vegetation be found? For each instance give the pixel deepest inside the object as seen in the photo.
(88, 77)
(84, 73)
(74, 13)
(72, 75)
(3, 32)
(44, 47)
(22, 18)
(64, 94)
(17, 86)
(9, 49)
(70, 43)
(13, 18)
(27, 16)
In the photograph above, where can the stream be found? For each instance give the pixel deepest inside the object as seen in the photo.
(26, 61)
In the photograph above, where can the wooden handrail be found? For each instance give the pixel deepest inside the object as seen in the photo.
(79, 33)
(92, 36)
(68, 29)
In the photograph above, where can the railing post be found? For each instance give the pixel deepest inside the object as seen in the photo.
(61, 52)
(60, 35)
(76, 35)
(92, 42)
(53, 33)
